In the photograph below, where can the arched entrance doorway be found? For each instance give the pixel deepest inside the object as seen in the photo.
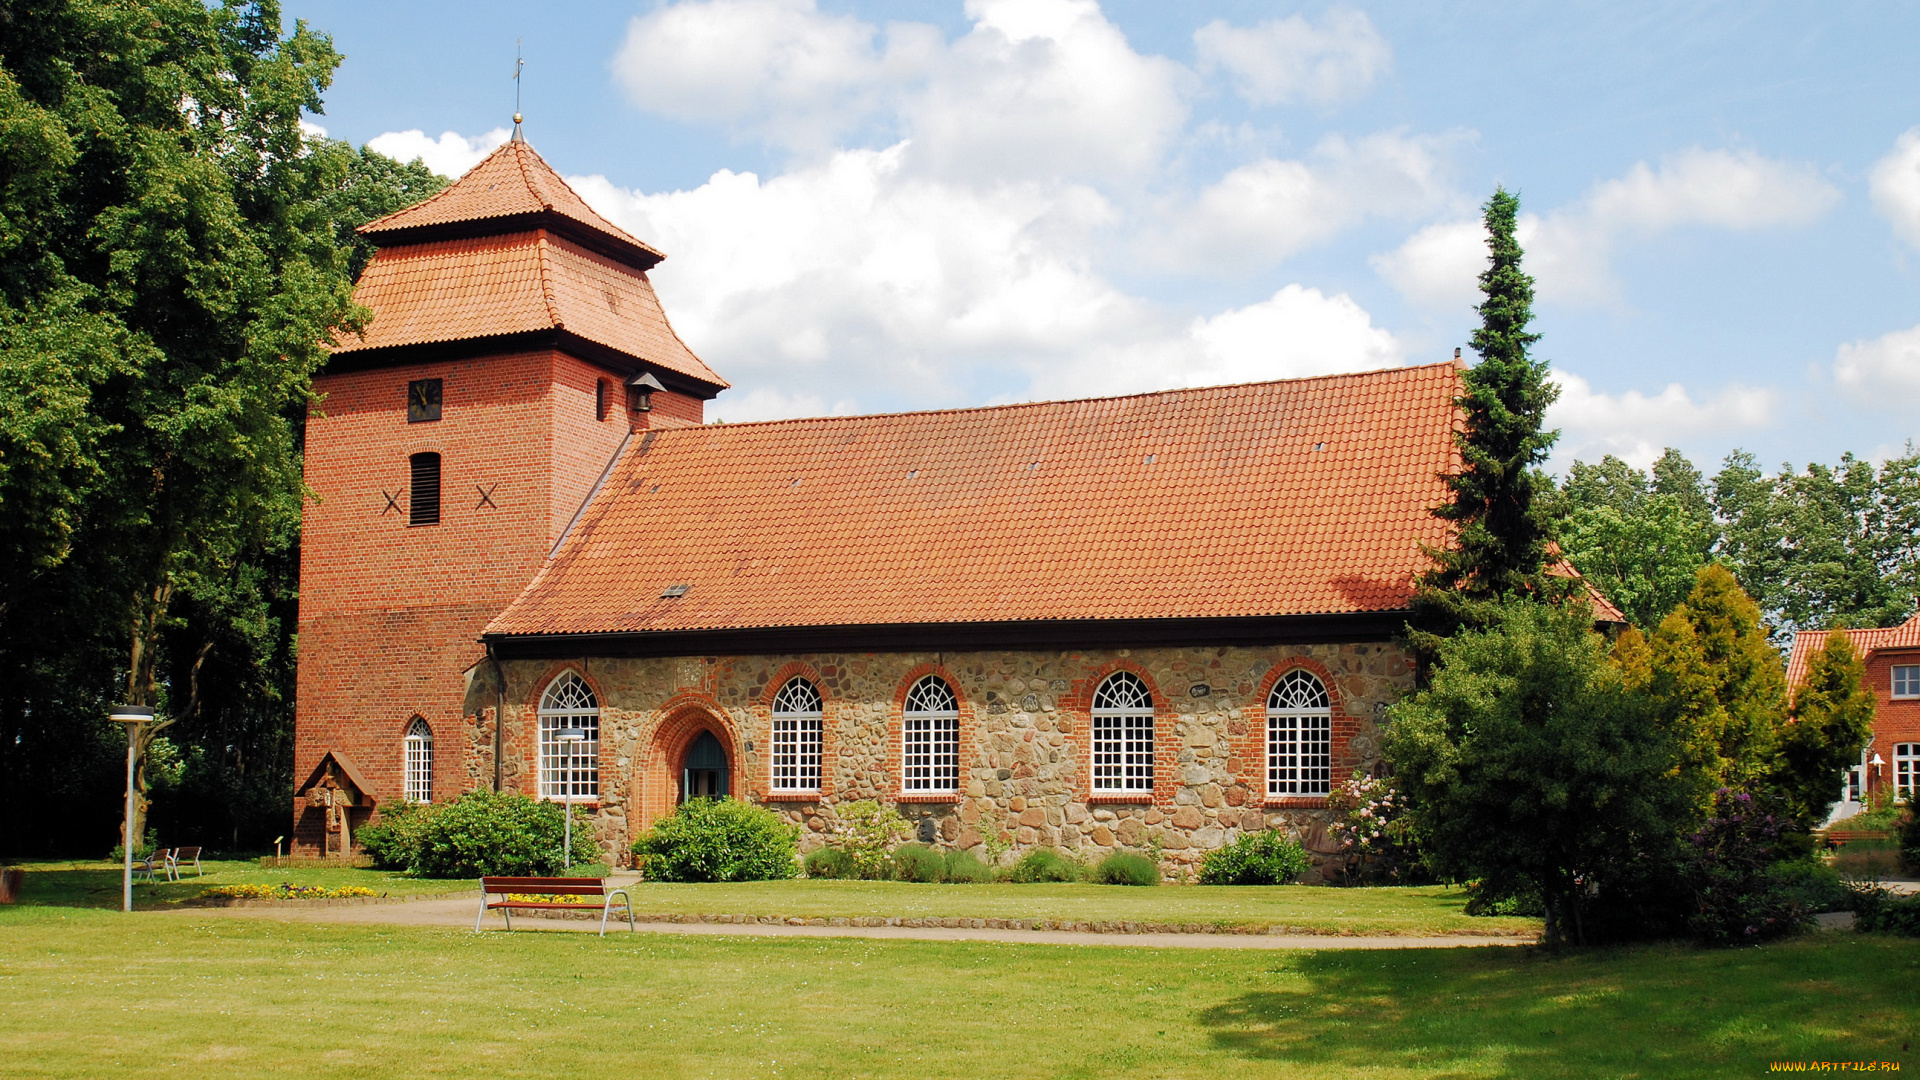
(705, 773)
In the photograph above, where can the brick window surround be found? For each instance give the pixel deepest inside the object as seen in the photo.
(765, 720)
(896, 737)
(1251, 748)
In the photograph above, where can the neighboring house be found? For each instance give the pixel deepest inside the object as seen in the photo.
(1152, 622)
(1891, 761)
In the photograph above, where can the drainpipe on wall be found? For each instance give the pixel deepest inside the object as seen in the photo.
(499, 714)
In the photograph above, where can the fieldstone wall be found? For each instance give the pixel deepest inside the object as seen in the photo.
(1025, 723)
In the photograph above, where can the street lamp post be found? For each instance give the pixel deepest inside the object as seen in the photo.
(133, 716)
(571, 738)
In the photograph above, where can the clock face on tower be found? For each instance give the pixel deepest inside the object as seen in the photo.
(423, 400)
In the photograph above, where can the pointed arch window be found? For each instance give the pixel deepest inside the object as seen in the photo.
(418, 761)
(568, 767)
(930, 737)
(796, 737)
(1122, 735)
(1299, 736)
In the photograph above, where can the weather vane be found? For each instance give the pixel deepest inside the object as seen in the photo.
(518, 63)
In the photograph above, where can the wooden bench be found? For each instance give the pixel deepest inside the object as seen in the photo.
(509, 887)
(1840, 837)
(181, 855)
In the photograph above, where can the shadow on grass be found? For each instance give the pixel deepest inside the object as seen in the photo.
(1650, 1011)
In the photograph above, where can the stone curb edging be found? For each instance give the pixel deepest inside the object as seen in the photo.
(956, 923)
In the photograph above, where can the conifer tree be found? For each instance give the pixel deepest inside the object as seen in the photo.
(1500, 542)
(1832, 719)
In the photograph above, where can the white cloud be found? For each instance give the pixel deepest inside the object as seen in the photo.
(1637, 427)
(1884, 371)
(449, 155)
(1266, 210)
(1297, 332)
(1286, 60)
(1035, 87)
(1895, 183)
(1570, 250)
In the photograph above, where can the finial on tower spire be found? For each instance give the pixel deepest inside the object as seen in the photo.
(518, 63)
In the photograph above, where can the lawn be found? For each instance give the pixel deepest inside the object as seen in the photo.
(97, 884)
(94, 993)
(1428, 910)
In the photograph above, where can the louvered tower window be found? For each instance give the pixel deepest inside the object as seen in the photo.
(423, 497)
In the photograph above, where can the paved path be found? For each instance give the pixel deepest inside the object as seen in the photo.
(459, 914)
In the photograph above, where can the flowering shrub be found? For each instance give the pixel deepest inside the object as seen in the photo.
(1369, 827)
(1740, 894)
(866, 831)
(286, 890)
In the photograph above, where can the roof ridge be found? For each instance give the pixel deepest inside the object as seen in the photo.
(1010, 405)
(546, 280)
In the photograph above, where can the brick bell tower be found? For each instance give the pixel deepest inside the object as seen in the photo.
(516, 347)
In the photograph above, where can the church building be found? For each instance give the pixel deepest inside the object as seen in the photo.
(1151, 623)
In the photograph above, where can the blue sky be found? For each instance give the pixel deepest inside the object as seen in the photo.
(878, 206)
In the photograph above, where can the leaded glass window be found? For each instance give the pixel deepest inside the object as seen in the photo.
(1123, 734)
(930, 754)
(1299, 736)
(418, 758)
(569, 769)
(796, 737)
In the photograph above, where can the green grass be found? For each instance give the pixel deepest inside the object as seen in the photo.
(1420, 910)
(92, 993)
(97, 884)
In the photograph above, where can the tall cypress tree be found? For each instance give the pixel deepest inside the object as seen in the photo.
(1500, 542)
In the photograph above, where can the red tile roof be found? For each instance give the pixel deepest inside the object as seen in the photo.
(512, 190)
(453, 290)
(1282, 498)
(1808, 642)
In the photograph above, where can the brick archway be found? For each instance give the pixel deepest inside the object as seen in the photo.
(657, 776)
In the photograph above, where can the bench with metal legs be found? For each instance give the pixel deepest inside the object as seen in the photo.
(507, 888)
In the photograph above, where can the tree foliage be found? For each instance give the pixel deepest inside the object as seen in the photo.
(1638, 541)
(1499, 546)
(171, 270)
(1531, 767)
(1831, 720)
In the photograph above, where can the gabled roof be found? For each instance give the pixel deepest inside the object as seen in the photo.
(347, 771)
(1303, 497)
(1865, 642)
(489, 286)
(513, 190)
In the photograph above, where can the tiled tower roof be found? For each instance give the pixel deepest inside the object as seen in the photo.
(1303, 497)
(512, 190)
(509, 253)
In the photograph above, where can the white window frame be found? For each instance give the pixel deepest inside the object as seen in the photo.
(569, 703)
(416, 762)
(930, 739)
(1907, 674)
(1299, 737)
(798, 717)
(1122, 736)
(1906, 770)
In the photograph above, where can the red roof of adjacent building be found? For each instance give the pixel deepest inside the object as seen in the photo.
(512, 189)
(1865, 642)
(1301, 497)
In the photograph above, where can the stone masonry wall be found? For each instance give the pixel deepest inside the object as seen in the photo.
(1024, 732)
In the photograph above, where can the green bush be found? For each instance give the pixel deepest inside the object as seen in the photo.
(917, 862)
(1257, 858)
(1813, 885)
(831, 863)
(866, 830)
(718, 840)
(1910, 835)
(485, 833)
(394, 838)
(963, 868)
(1880, 910)
(1045, 864)
(1126, 868)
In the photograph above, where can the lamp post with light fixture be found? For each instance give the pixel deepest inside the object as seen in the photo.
(571, 738)
(135, 717)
